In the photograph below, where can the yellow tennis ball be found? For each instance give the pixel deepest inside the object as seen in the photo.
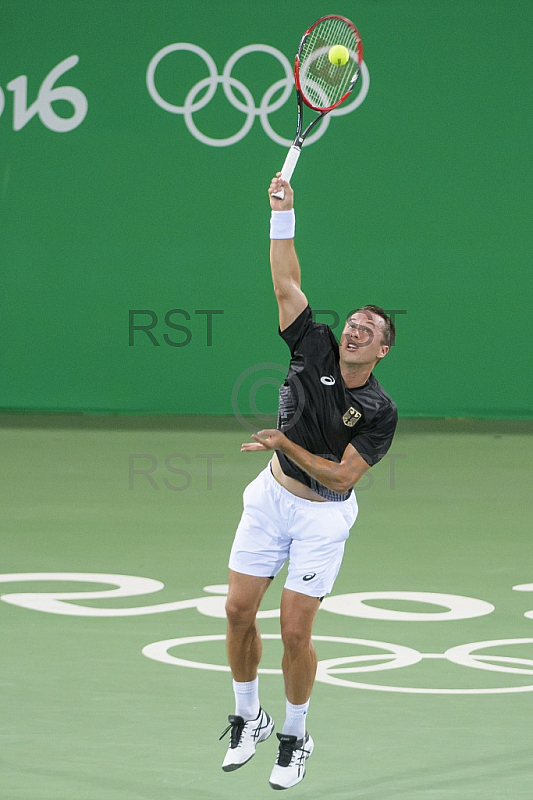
(339, 55)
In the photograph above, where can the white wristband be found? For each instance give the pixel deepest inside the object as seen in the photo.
(282, 224)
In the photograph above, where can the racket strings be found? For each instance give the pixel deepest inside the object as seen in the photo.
(322, 83)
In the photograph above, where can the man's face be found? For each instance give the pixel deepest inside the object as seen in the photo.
(361, 339)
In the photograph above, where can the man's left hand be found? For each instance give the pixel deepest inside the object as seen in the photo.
(265, 440)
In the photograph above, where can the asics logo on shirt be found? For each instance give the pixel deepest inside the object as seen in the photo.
(327, 380)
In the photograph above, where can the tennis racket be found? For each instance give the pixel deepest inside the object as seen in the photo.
(323, 83)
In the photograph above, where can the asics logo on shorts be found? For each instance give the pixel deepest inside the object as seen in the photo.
(309, 576)
(237, 94)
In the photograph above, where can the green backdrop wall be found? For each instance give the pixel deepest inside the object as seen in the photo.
(114, 201)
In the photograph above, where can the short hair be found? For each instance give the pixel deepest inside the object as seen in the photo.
(389, 331)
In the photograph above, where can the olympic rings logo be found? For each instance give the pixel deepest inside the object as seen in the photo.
(266, 106)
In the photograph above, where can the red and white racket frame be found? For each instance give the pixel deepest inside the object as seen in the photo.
(359, 52)
(296, 147)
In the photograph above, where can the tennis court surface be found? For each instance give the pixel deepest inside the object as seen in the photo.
(426, 659)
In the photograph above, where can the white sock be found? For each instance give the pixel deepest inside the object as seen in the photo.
(246, 699)
(295, 720)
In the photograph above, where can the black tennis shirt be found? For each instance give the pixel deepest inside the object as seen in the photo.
(319, 413)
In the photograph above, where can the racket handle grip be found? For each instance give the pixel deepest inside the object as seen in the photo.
(288, 168)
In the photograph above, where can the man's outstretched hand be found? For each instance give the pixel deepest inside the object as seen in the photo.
(265, 440)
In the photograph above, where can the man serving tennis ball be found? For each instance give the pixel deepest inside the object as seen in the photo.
(335, 421)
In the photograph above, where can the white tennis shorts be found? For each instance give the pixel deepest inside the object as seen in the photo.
(276, 526)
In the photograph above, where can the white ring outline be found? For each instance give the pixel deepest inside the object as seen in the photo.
(354, 605)
(462, 654)
(229, 140)
(320, 131)
(405, 656)
(347, 108)
(259, 48)
(171, 48)
(265, 122)
(401, 656)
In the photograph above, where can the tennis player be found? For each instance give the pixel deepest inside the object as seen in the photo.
(335, 421)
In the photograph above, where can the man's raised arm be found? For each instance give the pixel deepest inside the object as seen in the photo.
(283, 259)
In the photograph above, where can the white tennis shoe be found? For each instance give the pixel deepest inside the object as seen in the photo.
(244, 738)
(289, 768)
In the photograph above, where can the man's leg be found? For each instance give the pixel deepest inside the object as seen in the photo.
(298, 612)
(299, 663)
(250, 724)
(243, 641)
